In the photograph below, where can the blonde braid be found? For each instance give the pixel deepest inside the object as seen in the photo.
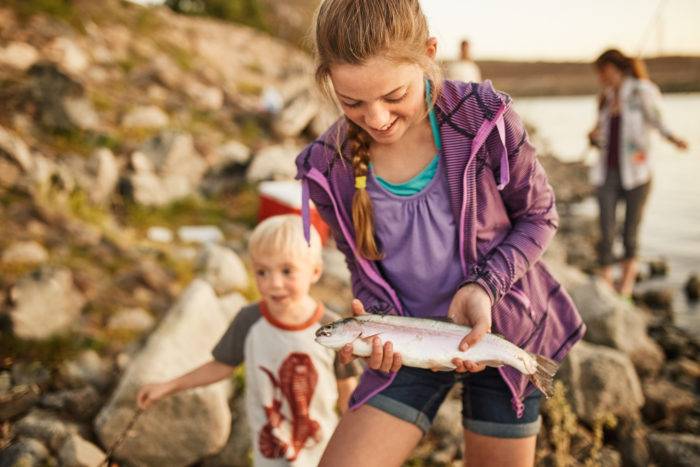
(362, 214)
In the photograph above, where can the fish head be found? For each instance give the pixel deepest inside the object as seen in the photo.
(335, 335)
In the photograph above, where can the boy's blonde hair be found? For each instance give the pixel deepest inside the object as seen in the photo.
(351, 32)
(284, 235)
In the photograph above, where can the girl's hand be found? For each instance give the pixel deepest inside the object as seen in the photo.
(151, 393)
(471, 306)
(679, 143)
(382, 358)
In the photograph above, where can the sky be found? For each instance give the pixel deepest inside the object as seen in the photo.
(564, 29)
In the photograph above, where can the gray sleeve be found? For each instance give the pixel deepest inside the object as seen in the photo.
(342, 371)
(229, 349)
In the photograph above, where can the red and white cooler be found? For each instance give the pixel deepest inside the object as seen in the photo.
(284, 197)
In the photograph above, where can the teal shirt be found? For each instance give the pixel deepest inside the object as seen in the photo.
(420, 181)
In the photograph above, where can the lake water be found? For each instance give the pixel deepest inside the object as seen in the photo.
(671, 225)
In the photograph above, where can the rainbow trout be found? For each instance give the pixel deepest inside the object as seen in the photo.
(432, 344)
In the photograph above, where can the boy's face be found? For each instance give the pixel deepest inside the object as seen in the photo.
(284, 281)
(382, 97)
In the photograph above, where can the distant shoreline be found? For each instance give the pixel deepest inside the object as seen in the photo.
(540, 78)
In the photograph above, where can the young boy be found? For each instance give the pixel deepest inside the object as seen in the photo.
(291, 391)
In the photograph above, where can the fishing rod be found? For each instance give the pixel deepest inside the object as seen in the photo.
(120, 439)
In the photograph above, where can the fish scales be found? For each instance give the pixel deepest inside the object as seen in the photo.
(433, 344)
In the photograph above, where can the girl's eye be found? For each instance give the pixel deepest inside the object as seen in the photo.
(394, 100)
(352, 105)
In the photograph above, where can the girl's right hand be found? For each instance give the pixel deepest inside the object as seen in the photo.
(383, 358)
(151, 393)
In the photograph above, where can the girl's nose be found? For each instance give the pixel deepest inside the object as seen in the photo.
(378, 117)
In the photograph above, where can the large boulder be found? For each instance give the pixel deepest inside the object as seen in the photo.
(611, 320)
(273, 162)
(46, 303)
(223, 269)
(601, 380)
(185, 427)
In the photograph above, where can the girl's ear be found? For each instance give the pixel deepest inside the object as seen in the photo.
(316, 275)
(431, 47)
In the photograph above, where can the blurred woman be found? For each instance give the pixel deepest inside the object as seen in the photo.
(628, 112)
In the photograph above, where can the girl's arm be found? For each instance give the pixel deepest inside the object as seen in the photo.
(211, 372)
(529, 201)
(651, 106)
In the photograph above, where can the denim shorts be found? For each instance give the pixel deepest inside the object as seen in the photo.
(416, 394)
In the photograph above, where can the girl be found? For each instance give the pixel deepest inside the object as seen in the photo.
(628, 112)
(434, 195)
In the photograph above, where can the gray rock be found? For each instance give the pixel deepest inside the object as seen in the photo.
(44, 426)
(296, 116)
(88, 368)
(692, 287)
(203, 234)
(666, 402)
(69, 55)
(204, 97)
(50, 87)
(15, 149)
(231, 304)
(46, 303)
(5, 381)
(334, 265)
(31, 373)
(18, 400)
(160, 234)
(77, 452)
(273, 162)
(25, 252)
(131, 319)
(19, 55)
(187, 426)
(675, 449)
(103, 172)
(149, 116)
(237, 451)
(81, 112)
(81, 403)
(232, 152)
(601, 380)
(223, 269)
(632, 444)
(611, 321)
(24, 452)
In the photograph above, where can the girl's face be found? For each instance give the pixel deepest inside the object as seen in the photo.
(610, 75)
(383, 97)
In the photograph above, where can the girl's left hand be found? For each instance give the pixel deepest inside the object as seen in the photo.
(471, 306)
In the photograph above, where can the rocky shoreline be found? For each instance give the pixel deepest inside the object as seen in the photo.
(130, 149)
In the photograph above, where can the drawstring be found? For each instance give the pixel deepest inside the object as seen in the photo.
(305, 212)
(505, 168)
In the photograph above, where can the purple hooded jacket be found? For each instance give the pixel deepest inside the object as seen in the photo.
(505, 211)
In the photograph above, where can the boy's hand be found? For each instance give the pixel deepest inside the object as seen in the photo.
(471, 306)
(382, 358)
(151, 393)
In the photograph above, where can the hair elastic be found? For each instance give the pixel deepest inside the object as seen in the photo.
(361, 182)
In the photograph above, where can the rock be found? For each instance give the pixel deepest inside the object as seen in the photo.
(232, 152)
(18, 400)
(50, 87)
(632, 442)
(77, 452)
(611, 321)
(675, 449)
(203, 234)
(102, 166)
(24, 452)
(608, 457)
(663, 401)
(31, 373)
(15, 149)
(273, 162)
(334, 265)
(296, 116)
(231, 304)
(160, 234)
(223, 269)
(149, 116)
(131, 319)
(210, 98)
(5, 381)
(661, 299)
(658, 268)
(68, 54)
(166, 168)
(447, 425)
(44, 426)
(179, 430)
(19, 55)
(81, 112)
(26, 252)
(673, 341)
(46, 303)
(87, 368)
(601, 380)
(236, 452)
(692, 287)
(81, 403)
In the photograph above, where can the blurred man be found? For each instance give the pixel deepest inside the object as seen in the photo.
(464, 69)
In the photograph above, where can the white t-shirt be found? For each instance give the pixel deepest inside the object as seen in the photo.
(464, 70)
(291, 390)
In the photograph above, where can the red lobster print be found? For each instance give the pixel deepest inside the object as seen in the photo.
(297, 382)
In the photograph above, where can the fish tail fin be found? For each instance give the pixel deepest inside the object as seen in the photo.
(543, 377)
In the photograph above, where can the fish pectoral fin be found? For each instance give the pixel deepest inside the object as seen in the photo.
(368, 339)
(492, 363)
(439, 366)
